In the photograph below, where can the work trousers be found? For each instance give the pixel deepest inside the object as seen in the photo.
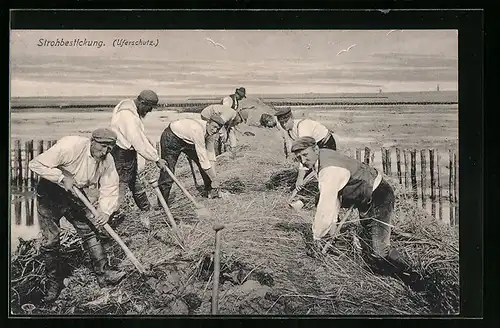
(53, 203)
(126, 166)
(376, 220)
(171, 147)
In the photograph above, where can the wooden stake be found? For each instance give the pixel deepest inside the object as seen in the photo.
(398, 164)
(423, 176)
(433, 182)
(413, 157)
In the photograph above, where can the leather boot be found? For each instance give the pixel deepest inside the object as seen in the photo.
(105, 277)
(54, 283)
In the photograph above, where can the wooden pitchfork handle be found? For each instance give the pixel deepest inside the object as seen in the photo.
(188, 195)
(154, 184)
(111, 232)
(329, 243)
(215, 286)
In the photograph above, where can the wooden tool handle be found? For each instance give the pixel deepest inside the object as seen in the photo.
(328, 244)
(215, 287)
(169, 215)
(188, 195)
(111, 232)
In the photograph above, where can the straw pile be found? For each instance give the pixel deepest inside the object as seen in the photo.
(268, 263)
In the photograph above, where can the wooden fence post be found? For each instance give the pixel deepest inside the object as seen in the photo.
(407, 174)
(384, 164)
(358, 154)
(15, 163)
(367, 155)
(413, 157)
(388, 158)
(423, 176)
(455, 166)
(398, 164)
(19, 157)
(17, 211)
(29, 156)
(433, 182)
(440, 189)
(450, 186)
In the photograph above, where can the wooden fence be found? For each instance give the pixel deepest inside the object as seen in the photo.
(428, 174)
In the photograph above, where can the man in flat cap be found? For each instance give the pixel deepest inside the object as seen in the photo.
(188, 136)
(233, 100)
(346, 182)
(294, 129)
(231, 119)
(81, 162)
(127, 123)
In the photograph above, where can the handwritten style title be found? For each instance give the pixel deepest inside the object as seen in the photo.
(77, 42)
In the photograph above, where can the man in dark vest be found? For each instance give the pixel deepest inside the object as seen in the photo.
(233, 100)
(345, 182)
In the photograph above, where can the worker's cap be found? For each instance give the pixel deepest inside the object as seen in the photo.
(148, 97)
(241, 92)
(283, 112)
(104, 136)
(217, 119)
(302, 143)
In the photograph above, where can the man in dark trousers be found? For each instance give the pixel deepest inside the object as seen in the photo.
(75, 161)
(189, 136)
(345, 182)
(233, 100)
(127, 123)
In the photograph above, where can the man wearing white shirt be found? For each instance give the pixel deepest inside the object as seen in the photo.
(127, 123)
(345, 182)
(233, 100)
(231, 119)
(81, 162)
(189, 136)
(295, 128)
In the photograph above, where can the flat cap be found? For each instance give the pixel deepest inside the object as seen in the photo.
(104, 136)
(217, 119)
(148, 97)
(302, 143)
(283, 111)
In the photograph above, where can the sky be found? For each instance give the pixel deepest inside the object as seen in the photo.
(185, 63)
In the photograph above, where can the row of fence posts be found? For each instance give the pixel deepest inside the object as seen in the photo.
(22, 153)
(408, 176)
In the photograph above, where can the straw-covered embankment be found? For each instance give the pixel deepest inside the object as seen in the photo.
(268, 265)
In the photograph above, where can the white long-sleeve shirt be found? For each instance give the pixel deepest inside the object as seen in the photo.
(193, 132)
(331, 180)
(129, 129)
(228, 101)
(70, 156)
(227, 114)
(304, 128)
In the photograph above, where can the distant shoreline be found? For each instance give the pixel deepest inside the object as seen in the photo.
(104, 102)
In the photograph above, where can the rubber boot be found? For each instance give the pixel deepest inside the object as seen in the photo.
(54, 283)
(105, 277)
